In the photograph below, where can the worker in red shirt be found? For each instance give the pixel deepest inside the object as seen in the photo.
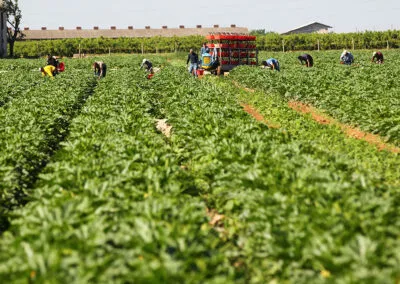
(377, 57)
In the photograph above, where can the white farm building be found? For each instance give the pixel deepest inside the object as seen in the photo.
(310, 28)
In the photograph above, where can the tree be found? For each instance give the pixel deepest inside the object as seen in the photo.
(257, 32)
(14, 17)
(260, 32)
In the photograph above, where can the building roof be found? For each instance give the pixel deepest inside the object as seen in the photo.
(315, 26)
(117, 33)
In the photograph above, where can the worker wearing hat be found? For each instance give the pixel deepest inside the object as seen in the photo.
(346, 58)
(148, 66)
(377, 57)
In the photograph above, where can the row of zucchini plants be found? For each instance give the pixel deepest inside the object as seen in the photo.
(332, 138)
(119, 201)
(16, 79)
(114, 204)
(32, 125)
(295, 210)
(363, 95)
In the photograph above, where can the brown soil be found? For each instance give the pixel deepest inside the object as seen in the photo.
(217, 222)
(302, 108)
(348, 130)
(254, 113)
(244, 88)
(324, 119)
(216, 219)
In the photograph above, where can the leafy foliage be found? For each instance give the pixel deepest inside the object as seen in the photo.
(265, 41)
(364, 95)
(68, 47)
(120, 202)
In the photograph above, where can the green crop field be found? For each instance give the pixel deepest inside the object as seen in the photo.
(93, 192)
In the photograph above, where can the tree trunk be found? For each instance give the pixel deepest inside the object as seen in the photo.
(11, 48)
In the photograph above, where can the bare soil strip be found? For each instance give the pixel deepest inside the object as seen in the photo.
(254, 113)
(216, 220)
(324, 119)
(305, 109)
(242, 87)
(352, 132)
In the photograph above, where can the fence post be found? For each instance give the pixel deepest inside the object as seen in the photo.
(79, 51)
(318, 46)
(142, 48)
(109, 51)
(352, 41)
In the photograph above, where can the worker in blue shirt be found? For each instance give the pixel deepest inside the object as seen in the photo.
(272, 63)
(204, 49)
(346, 58)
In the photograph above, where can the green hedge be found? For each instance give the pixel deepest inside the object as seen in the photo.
(361, 40)
(270, 42)
(68, 47)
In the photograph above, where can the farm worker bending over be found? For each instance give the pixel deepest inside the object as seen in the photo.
(148, 66)
(51, 60)
(307, 59)
(377, 57)
(272, 63)
(193, 59)
(100, 69)
(48, 70)
(346, 58)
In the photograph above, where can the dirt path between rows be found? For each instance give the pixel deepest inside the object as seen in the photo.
(350, 131)
(324, 119)
(254, 113)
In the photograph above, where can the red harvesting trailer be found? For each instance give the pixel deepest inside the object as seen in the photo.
(230, 50)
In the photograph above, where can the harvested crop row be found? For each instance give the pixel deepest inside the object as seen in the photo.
(364, 96)
(294, 211)
(16, 83)
(111, 207)
(31, 128)
(225, 199)
(330, 136)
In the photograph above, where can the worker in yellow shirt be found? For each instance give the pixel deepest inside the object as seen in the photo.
(48, 70)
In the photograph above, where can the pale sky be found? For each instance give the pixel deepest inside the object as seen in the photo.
(272, 15)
